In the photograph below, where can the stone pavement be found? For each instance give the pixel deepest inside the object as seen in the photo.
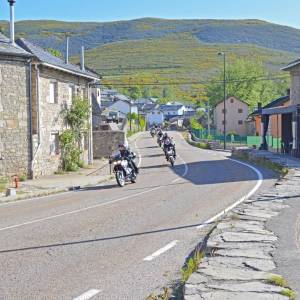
(53, 184)
(252, 244)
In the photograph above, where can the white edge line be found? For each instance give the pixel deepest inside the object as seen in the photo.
(161, 251)
(87, 295)
(231, 207)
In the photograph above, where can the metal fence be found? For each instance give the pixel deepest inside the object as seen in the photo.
(231, 139)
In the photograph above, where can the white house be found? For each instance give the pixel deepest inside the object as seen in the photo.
(155, 116)
(171, 111)
(123, 107)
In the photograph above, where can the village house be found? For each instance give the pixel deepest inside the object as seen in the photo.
(154, 116)
(54, 84)
(287, 116)
(274, 134)
(15, 114)
(172, 110)
(236, 114)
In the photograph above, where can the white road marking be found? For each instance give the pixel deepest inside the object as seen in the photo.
(88, 295)
(91, 207)
(139, 153)
(161, 251)
(231, 207)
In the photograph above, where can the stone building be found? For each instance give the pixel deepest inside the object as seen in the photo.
(15, 131)
(54, 84)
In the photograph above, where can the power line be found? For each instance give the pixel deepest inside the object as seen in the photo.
(157, 83)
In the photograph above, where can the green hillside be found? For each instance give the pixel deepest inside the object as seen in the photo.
(180, 61)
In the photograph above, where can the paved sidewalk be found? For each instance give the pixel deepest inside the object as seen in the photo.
(53, 184)
(254, 252)
(48, 185)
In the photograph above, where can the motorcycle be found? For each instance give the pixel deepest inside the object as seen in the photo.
(123, 171)
(159, 140)
(170, 155)
(153, 132)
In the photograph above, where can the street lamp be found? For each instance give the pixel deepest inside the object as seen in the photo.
(224, 87)
(130, 116)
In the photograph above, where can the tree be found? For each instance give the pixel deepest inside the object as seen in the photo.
(71, 139)
(135, 92)
(167, 93)
(247, 80)
(55, 52)
(146, 92)
(194, 123)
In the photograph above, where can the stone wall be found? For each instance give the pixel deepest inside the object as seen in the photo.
(106, 142)
(51, 116)
(295, 85)
(15, 154)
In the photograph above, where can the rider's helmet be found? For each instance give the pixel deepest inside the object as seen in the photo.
(122, 149)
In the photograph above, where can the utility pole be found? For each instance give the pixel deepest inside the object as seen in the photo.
(224, 87)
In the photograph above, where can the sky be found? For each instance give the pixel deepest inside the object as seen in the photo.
(286, 12)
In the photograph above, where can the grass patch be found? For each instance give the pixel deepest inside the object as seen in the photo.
(164, 296)
(289, 293)
(262, 161)
(191, 265)
(201, 145)
(278, 281)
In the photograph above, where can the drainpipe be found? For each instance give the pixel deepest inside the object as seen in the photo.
(91, 152)
(38, 115)
(30, 118)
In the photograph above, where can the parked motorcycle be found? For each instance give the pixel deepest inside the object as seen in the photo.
(123, 171)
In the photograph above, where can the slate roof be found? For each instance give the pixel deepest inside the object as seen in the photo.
(275, 103)
(47, 58)
(291, 65)
(12, 50)
(170, 107)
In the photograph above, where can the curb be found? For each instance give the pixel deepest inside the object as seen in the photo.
(47, 193)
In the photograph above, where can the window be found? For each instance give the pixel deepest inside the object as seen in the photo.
(240, 110)
(71, 93)
(231, 100)
(54, 144)
(53, 92)
(241, 122)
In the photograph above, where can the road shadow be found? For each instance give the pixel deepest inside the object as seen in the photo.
(102, 239)
(154, 155)
(218, 171)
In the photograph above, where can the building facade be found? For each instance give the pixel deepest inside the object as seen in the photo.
(236, 115)
(15, 132)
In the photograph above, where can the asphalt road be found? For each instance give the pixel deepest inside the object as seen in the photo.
(118, 243)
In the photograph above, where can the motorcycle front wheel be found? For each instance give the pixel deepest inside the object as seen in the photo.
(172, 161)
(120, 178)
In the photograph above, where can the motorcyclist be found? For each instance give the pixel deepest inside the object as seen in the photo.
(125, 153)
(169, 144)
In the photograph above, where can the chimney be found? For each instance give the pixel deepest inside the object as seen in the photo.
(12, 21)
(67, 50)
(82, 59)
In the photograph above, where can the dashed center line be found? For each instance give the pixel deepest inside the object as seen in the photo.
(161, 251)
(88, 295)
